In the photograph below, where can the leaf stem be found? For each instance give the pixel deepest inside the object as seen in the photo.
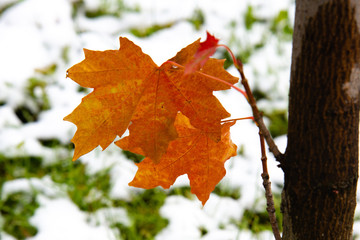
(236, 119)
(231, 54)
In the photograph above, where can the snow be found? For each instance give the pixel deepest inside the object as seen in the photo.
(60, 219)
(217, 212)
(35, 34)
(32, 34)
(44, 186)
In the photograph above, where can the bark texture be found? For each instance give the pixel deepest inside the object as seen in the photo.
(321, 159)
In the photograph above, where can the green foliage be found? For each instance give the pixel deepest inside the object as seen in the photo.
(133, 156)
(40, 99)
(50, 143)
(244, 49)
(25, 114)
(259, 95)
(184, 191)
(241, 150)
(282, 26)
(82, 90)
(278, 117)
(197, 19)
(223, 54)
(47, 71)
(16, 210)
(20, 167)
(203, 231)
(65, 54)
(146, 32)
(88, 191)
(37, 98)
(143, 211)
(8, 5)
(250, 18)
(106, 8)
(225, 191)
(278, 122)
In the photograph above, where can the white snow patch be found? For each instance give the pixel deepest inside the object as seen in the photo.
(59, 219)
(110, 216)
(5, 236)
(44, 186)
(8, 118)
(185, 219)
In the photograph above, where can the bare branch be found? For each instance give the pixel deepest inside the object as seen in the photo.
(268, 194)
(257, 115)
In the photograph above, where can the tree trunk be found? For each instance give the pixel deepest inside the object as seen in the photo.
(321, 159)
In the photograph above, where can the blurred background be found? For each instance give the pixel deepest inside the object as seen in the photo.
(46, 196)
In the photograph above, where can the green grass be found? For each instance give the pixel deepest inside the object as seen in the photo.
(278, 122)
(90, 192)
(148, 31)
(184, 191)
(250, 18)
(16, 209)
(105, 8)
(136, 158)
(279, 25)
(20, 167)
(225, 191)
(282, 26)
(197, 19)
(143, 211)
(8, 6)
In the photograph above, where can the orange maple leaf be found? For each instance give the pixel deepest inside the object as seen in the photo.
(192, 153)
(131, 91)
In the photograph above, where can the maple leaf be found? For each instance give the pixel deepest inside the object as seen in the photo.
(204, 52)
(131, 91)
(192, 153)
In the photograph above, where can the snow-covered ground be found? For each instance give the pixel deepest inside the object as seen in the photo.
(38, 34)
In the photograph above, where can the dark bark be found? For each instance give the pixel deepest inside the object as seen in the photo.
(321, 159)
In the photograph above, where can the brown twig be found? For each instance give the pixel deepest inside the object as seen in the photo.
(256, 113)
(264, 135)
(268, 194)
(258, 117)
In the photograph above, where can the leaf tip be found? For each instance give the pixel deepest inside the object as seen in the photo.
(204, 52)
(211, 41)
(86, 52)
